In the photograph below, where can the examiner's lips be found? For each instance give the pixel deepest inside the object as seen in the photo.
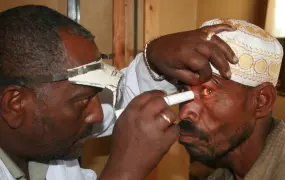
(85, 135)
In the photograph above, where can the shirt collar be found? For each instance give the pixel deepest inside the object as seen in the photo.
(36, 170)
(14, 170)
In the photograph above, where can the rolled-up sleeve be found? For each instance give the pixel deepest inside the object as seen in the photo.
(136, 80)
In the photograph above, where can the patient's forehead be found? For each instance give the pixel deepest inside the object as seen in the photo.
(215, 79)
(220, 83)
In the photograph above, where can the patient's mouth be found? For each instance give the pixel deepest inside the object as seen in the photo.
(189, 131)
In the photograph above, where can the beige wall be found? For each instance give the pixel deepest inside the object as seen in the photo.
(168, 16)
(249, 10)
(279, 108)
(54, 4)
(97, 17)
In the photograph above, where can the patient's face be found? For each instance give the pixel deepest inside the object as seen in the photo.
(218, 120)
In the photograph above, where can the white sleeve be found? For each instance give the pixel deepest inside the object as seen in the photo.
(136, 80)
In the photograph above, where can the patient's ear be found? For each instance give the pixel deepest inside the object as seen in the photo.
(265, 96)
(13, 102)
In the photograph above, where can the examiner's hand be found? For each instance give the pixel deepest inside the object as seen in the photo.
(142, 135)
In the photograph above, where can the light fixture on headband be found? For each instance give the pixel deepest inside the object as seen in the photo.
(96, 74)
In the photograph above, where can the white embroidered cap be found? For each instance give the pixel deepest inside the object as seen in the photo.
(260, 55)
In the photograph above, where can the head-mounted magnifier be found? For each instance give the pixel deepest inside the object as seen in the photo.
(96, 74)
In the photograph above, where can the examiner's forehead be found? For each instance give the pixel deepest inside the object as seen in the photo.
(79, 50)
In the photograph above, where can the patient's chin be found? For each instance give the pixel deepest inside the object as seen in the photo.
(201, 154)
(205, 155)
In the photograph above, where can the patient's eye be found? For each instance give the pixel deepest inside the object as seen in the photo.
(207, 92)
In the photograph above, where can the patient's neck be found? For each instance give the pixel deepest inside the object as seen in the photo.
(241, 159)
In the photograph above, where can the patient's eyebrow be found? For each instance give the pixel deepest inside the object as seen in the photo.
(217, 80)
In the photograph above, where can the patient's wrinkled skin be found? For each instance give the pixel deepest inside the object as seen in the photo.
(227, 123)
(217, 120)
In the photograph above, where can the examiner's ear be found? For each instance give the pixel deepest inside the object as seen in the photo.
(13, 102)
(265, 96)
